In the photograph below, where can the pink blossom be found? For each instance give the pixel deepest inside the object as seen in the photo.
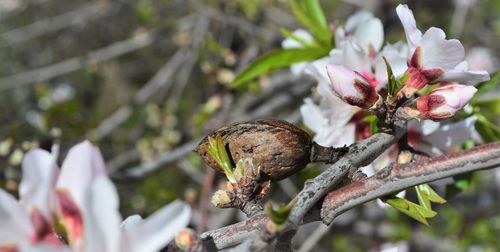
(433, 58)
(84, 202)
(351, 87)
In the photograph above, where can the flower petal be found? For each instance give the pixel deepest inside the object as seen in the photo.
(452, 134)
(36, 189)
(82, 165)
(131, 221)
(102, 218)
(371, 33)
(159, 229)
(469, 77)
(438, 52)
(15, 222)
(413, 34)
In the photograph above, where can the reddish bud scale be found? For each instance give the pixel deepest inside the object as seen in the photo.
(425, 104)
(367, 92)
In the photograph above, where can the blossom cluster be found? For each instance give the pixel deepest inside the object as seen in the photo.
(435, 83)
(75, 208)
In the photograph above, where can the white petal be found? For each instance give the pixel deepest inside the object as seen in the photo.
(355, 58)
(311, 116)
(357, 19)
(44, 248)
(159, 229)
(292, 43)
(470, 77)
(131, 221)
(82, 165)
(413, 34)
(298, 68)
(480, 58)
(370, 32)
(15, 222)
(424, 127)
(452, 134)
(39, 178)
(439, 52)
(101, 217)
(397, 56)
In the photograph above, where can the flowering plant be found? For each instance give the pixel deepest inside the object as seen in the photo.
(76, 209)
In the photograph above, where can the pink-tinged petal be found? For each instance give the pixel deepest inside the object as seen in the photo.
(44, 232)
(452, 134)
(39, 178)
(8, 248)
(413, 34)
(82, 165)
(444, 102)
(101, 217)
(15, 223)
(351, 86)
(470, 77)
(71, 219)
(158, 230)
(438, 52)
(342, 80)
(370, 33)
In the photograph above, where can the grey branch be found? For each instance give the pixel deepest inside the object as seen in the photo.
(360, 154)
(400, 177)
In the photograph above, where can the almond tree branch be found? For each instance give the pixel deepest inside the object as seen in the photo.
(360, 154)
(400, 177)
(387, 181)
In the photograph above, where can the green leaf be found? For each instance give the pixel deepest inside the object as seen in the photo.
(275, 60)
(488, 131)
(411, 209)
(280, 214)
(372, 121)
(217, 149)
(393, 86)
(484, 87)
(426, 195)
(490, 108)
(310, 15)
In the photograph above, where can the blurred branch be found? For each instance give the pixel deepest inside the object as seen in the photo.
(181, 64)
(70, 65)
(162, 79)
(44, 26)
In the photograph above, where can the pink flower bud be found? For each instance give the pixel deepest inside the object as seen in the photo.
(351, 87)
(443, 102)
